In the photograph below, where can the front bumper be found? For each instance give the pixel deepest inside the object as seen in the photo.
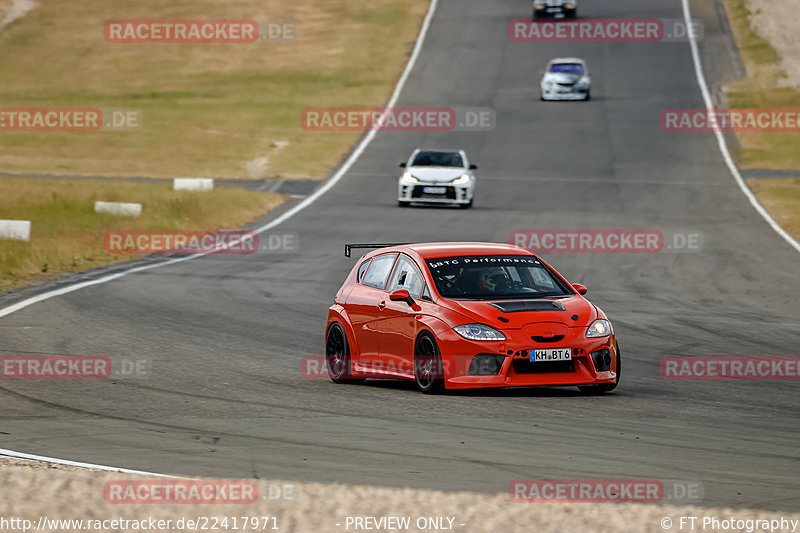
(517, 370)
(553, 11)
(568, 94)
(450, 194)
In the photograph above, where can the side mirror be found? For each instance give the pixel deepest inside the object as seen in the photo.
(580, 288)
(473, 167)
(402, 165)
(401, 295)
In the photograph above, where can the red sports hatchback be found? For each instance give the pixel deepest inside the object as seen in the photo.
(467, 315)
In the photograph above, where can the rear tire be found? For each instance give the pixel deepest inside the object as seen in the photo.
(337, 356)
(428, 371)
(602, 388)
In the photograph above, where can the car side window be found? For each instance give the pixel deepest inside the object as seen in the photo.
(379, 270)
(426, 294)
(361, 270)
(406, 276)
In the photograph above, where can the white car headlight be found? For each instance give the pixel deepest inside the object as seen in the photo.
(599, 328)
(461, 180)
(570, 5)
(408, 177)
(479, 332)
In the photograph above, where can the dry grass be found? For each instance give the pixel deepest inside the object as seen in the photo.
(208, 109)
(760, 89)
(781, 197)
(67, 235)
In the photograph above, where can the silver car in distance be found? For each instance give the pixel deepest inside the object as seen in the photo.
(437, 176)
(566, 78)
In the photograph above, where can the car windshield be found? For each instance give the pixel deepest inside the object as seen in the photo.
(494, 277)
(438, 159)
(567, 68)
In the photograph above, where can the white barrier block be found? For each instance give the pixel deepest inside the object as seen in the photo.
(193, 184)
(19, 230)
(118, 208)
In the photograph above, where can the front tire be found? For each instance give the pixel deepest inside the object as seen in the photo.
(467, 205)
(402, 203)
(428, 371)
(602, 388)
(337, 356)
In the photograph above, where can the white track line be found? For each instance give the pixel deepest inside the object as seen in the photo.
(723, 147)
(283, 218)
(66, 462)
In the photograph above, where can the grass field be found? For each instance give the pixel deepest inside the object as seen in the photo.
(68, 236)
(781, 197)
(208, 109)
(776, 150)
(760, 89)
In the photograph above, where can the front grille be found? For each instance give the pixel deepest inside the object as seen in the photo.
(524, 366)
(418, 192)
(566, 83)
(554, 338)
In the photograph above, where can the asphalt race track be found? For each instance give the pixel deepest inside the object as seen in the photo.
(224, 334)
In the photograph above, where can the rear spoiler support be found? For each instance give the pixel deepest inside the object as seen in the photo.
(349, 247)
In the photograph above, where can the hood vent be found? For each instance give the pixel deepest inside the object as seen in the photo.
(520, 306)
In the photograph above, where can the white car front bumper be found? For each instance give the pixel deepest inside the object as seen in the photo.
(571, 94)
(438, 193)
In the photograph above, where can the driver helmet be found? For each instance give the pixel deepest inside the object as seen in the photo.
(492, 277)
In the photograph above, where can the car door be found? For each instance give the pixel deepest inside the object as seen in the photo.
(397, 327)
(363, 307)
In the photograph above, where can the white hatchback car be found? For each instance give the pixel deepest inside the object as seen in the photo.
(566, 78)
(437, 176)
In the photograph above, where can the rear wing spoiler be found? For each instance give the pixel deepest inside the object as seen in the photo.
(349, 247)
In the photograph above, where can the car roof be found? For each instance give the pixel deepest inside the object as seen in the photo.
(567, 60)
(431, 250)
(445, 150)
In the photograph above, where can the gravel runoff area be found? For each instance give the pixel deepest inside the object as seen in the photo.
(31, 490)
(778, 21)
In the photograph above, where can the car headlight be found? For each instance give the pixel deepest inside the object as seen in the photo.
(479, 332)
(570, 5)
(408, 177)
(461, 180)
(583, 82)
(538, 5)
(599, 328)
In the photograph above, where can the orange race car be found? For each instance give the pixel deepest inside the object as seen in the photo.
(467, 315)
